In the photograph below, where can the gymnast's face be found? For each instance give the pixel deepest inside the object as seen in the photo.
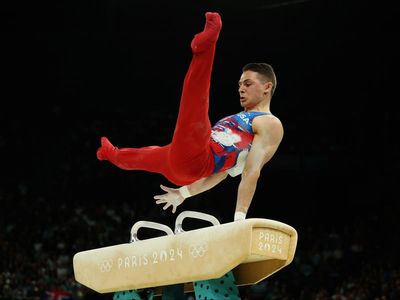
(252, 90)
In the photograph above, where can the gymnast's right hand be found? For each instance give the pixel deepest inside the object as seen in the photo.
(172, 197)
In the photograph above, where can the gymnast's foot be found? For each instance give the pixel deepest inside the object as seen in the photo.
(103, 153)
(208, 37)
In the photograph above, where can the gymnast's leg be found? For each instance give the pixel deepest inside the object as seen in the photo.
(190, 155)
(150, 158)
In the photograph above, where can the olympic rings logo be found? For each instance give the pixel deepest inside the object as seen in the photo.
(106, 265)
(198, 250)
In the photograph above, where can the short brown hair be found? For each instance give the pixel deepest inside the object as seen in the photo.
(265, 70)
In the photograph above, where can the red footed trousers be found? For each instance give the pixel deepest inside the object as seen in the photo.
(188, 157)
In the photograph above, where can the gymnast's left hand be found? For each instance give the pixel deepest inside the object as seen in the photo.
(172, 197)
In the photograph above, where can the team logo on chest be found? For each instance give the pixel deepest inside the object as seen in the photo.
(244, 118)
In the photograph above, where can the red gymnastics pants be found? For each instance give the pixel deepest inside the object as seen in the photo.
(188, 157)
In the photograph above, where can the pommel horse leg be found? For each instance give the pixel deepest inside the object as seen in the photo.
(132, 295)
(219, 288)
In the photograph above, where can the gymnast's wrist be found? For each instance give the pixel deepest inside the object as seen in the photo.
(184, 191)
(239, 215)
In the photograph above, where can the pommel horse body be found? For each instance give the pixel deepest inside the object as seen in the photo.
(253, 249)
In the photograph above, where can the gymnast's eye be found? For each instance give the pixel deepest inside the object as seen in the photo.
(246, 84)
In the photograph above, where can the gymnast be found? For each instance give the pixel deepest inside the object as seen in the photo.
(200, 155)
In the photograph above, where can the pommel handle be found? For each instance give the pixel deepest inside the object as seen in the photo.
(196, 215)
(148, 224)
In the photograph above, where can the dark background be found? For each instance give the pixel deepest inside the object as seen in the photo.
(74, 71)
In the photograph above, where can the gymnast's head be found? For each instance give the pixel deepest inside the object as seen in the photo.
(264, 73)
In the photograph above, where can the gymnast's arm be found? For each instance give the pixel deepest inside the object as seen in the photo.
(176, 196)
(268, 133)
(204, 184)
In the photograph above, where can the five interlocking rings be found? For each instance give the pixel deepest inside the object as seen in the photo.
(198, 250)
(106, 265)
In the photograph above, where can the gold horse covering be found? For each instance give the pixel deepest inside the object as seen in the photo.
(253, 248)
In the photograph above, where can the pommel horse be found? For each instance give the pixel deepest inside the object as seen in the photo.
(253, 249)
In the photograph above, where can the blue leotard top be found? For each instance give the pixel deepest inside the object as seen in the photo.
(231, 140)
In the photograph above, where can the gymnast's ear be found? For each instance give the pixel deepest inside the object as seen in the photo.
(268, 87)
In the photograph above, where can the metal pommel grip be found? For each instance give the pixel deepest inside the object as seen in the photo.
(148, 224)
(196, 215)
